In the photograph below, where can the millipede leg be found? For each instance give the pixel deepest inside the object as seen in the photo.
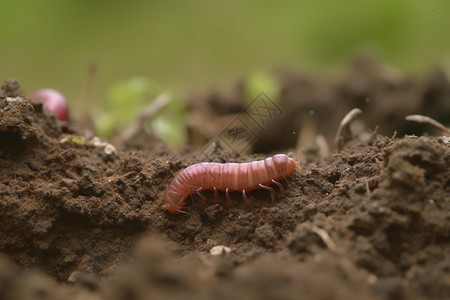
(288, 183)
(228, 197)
(280, 186)
(193, 199)
(216, 195)
(201, 196)
(183, 212)
(271, 190)
(247, 202)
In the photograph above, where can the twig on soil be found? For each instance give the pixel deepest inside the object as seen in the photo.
(428, 120)
(344, 133)
(325, 238)
(149, 112)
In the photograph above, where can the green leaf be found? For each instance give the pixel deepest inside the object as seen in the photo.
(262, 82)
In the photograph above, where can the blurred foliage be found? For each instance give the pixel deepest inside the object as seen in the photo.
(127, 99)
(170, 124)
(262, 81)
(191, 44)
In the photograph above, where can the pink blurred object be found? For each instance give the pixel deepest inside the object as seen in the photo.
(54, 101)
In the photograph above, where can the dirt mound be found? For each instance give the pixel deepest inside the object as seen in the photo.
(312, 106)
(370, 222)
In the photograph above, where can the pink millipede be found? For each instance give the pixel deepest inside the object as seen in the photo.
(228, 177)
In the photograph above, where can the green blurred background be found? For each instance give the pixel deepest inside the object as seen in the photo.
(189, 45)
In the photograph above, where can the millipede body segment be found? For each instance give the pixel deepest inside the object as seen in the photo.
(228, 177)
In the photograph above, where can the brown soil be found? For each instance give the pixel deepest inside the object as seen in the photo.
(369, 222)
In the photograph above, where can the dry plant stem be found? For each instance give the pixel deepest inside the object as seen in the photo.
(85, 105)
(325, 238)
(324, 149)
(149, 112)
(307, 135)
(344, 133)
(428, 120)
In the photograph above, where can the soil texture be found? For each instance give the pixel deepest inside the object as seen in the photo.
(82, 219)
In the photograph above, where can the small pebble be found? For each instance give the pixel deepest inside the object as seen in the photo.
(219, 250)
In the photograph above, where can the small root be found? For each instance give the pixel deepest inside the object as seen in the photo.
(344, 133)
(325, 238)
(428, 120)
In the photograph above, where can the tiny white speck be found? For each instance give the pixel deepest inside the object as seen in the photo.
(372, 279)
(219, 250)
(311, 112)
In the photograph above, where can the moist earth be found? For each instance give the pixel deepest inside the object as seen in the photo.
(371, 221)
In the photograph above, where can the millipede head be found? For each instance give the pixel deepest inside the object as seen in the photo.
(297, 162)
(297, 166)
(173, 208)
